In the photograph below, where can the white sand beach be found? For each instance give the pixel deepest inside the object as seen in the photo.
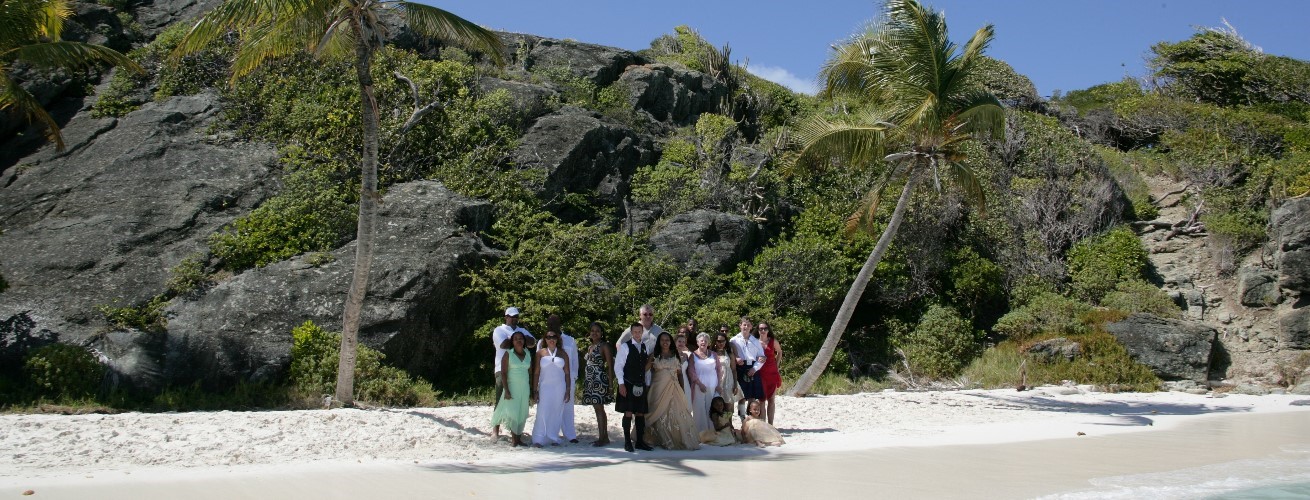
(1051, 440)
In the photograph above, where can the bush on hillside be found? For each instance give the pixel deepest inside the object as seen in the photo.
(314, 359)
(63, 371)
(941, 344)
(1098, 264)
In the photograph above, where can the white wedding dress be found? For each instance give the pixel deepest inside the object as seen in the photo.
(550, 400)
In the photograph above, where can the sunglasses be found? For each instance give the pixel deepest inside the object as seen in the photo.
(551, 337)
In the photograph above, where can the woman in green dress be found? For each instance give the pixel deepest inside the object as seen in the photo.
(512, 412)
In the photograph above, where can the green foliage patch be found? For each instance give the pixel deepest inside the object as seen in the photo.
(941, 344)
(63, 371)
(1097, 265)
(314, 358)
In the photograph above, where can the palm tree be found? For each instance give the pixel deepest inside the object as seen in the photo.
(30, 32)
(921, 107)
(275, 28)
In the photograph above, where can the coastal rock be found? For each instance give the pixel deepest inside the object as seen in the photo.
(1294, 328)
(705, 238)
(1257, 287)
(580, 152)
(598, 63)
(530, 101)
(1173, 349)
(668, 94)
(1055, 349)
(101, 223)
(413, 313)
(1291, 224)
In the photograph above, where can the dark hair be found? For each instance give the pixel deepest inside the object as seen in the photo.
(636, 325)
(673, 349)
(725, 339)
(718, 399)
(597, 325)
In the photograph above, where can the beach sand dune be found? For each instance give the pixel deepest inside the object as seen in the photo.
(269, 450)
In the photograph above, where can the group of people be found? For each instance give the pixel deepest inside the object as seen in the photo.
(674, 391)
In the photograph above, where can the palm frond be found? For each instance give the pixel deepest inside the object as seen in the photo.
(969, 183)
(74, 55)
(822, 140)
(238, 14)
(849, 69)
(14, 97)
(437, 23)
(278, 38)
(980, 113)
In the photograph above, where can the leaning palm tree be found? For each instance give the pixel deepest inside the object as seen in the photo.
(30, 32)
(921, 107)
(275, 28)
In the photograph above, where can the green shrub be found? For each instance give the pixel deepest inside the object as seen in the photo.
(941, 344)
(188, 75)
(63, 371)
(1098, 264)
(187, 275)
(1128, 176)
(1103, 362)
(314, 359)
(1048, 313)
(1134, 296)
(147, 317)
(976, 284)
(313, 213)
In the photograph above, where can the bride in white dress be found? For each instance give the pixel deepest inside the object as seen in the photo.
(553, 391)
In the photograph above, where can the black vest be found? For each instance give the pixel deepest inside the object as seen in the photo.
(634, 368)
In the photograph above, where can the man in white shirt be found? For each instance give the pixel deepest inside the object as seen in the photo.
(750, 358)
(646, 316)
(498, 337)
(633, 379)
(570, 345)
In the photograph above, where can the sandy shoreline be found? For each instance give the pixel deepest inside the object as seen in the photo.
(63, 453)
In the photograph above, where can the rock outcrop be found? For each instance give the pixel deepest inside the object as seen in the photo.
(1173, 349)
(598, 63)
(707, 239)
(102, 223)
(241, 329)
(668, 94)
(580, 152)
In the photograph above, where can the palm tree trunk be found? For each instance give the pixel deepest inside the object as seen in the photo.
(820, 363)
(368, 198)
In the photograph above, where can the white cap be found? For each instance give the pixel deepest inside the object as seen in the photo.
(513, 311)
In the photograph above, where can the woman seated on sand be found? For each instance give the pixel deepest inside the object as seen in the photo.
(512, 411)
(757, 431)
(723, 434)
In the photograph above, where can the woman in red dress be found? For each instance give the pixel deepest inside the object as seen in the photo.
(769, 376)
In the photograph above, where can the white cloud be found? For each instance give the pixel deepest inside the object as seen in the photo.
(785, 78)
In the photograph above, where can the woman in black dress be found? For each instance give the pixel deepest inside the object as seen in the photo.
(597, 390)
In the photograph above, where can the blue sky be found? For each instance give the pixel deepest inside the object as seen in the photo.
(1060, 44)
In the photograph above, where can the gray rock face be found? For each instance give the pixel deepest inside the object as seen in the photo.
(673, 95)
(156, 15)
(1294, 328)
(598, 63)
(1173, 349)
(579, 152)
(241, 329)
(1056, 349)
(1291, 224)
(103, 222)
(530, 101)
(1257, 287)
(705, 238)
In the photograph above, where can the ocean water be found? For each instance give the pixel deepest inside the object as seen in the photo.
(1285, 475)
